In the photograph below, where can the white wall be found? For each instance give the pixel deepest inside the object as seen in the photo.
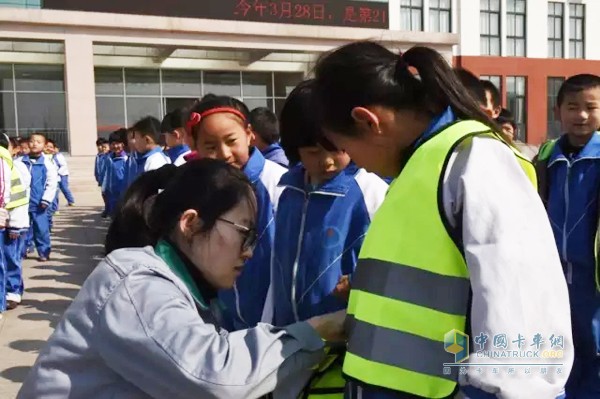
(468, 27)
(537, 28)
(592, 29)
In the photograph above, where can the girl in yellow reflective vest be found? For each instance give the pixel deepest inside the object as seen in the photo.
(461, 251)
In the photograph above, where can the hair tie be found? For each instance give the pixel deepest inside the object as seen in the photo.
(194, 120)
(401, 63)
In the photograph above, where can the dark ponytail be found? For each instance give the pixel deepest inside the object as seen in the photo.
(208, 186)
(366, 73)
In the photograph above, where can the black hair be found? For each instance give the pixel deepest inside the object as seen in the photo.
(211, 102)
(50, 141)
(209, 186)
(494, 92)
(506, 117)
(473, 85)
(101, 141)
(208, 97)
(298, 128)
(118, 136)
(23, 140)
(264, 123)
(148, 127)
(15, 141)
(366, 73)
(575, 84)
(40, 135)
(5, 141)
(175, 119)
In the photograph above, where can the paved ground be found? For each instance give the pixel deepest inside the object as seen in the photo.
(50, 287)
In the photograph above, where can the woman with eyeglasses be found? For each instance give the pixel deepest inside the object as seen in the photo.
(146, 322)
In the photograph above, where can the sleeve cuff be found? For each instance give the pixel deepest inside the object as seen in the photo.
(307, 335)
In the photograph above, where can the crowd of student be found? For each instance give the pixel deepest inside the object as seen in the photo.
(238, 241)
(33, 173)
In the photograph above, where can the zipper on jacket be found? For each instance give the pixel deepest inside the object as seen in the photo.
(297, 259)
(566, 190)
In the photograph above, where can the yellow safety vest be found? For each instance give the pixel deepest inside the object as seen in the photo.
(328, 382)
(18, 192)
(411, 286)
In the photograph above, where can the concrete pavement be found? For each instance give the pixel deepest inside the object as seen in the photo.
(50, 287)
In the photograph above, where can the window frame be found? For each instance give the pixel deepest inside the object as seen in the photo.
(440, 10)
(555, 16)
(573, 19)
(488, 38)
(410, 8)
(512, 16)
(512, 82)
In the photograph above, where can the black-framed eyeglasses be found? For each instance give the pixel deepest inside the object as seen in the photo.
(249, 234)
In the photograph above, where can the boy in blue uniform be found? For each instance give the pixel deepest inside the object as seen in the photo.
(266, 135)
(569, 171)
(44, 183)
(99, 165)
(324, 212)
(173, 128)
(116, 164)
(147, 135)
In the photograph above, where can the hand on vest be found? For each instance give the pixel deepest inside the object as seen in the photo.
(4, 218)
(330, 326)
(342, 288)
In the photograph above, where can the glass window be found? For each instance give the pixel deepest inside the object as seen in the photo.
(411, 15)
(516, 94)
(286, 82)
(259, 102)
(576, 30)
(39, 77)
(257, 84)
(41, 111)
(440, 16)
(21, 3)
(182, 83)
(489, 20)
(7, 111)
(110, 113)
(555, 29)
(515, 19)
(222, 83)
(142, 82)
(6, 77)
(554, 127)
(140, 107)
(109, 81)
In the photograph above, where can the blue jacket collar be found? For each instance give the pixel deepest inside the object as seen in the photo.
(33, 161)
(591, 149)
(255, 165)
(273, 147)
(121, 155)
(339, 184)
(143, 157)
(177, 151)
(439, 121)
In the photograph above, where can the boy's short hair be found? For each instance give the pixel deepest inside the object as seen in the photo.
(148, 127)
(264, 123)
(50, 141)
(23, 140)
(118, 136)
(40, 135)
(494, 92)
(15, 141)
(298, 127)
(101, 141)
(506, 117)
(472, 84)
(575, 84)
(175, 119)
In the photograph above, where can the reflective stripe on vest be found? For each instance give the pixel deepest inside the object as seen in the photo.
(18, 193)
(411, 285)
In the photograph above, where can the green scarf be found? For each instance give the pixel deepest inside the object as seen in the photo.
(167, 253)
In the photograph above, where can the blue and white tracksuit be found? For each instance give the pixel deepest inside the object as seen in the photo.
(63, 173)
(5, 181)
(44, 183)
(151, 160)
(177, 154)
(245, 302)
(13, 249)
(275, 153)
(574, 186)
(131, 171)
(318, 235)
(114, 180)
(99, 167)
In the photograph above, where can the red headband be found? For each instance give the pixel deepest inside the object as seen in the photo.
(195, 117)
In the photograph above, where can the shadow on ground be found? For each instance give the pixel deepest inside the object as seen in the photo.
(16, 374)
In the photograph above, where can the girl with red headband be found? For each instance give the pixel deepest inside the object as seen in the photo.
(219, 128)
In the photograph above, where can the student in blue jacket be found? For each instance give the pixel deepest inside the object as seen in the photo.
(266, 135)
(324, 212)
(116, 164)
(132, 166)
(220, 129)
(44, 183)
(570, 183)
(147, 135)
